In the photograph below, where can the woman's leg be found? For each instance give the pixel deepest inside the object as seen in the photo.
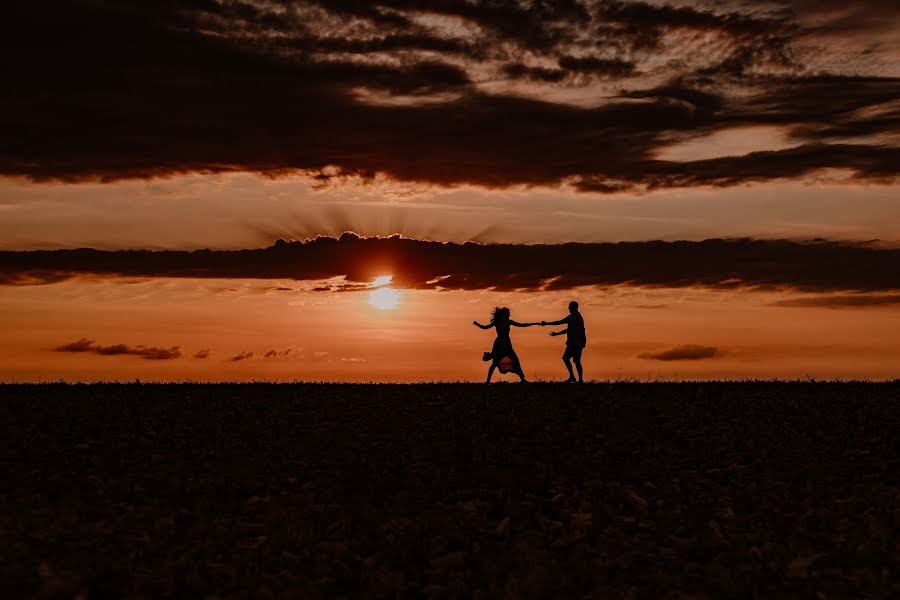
(518, 367)
(490, 372)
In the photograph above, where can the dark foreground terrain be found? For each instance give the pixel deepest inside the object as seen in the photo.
(531, 491)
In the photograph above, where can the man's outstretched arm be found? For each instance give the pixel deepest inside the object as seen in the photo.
(555, 333)
(560, 322)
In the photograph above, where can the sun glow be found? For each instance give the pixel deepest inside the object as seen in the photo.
(384, 298)
(382, 280)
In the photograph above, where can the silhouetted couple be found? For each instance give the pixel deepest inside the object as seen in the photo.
(503, 357)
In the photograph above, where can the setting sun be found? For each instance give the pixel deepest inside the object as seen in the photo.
(384, 298)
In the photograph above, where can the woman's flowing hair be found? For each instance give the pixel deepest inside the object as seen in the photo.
(500, 313)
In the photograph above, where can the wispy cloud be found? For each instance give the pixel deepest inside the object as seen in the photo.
(145, 352)
(685, 352)
(841, 301)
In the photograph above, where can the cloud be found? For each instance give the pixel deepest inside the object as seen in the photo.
(277, 353)
(815, 266)
(573, 69)
(863, 161)
(466, 93)
(686, 352)
(145, 352)
(241, 356)
(203, 354)
(841, 301)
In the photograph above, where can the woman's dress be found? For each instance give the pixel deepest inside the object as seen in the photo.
(503, 347)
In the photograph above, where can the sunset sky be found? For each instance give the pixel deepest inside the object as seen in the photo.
(334, 190)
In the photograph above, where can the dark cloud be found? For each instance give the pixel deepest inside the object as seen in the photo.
(241, 356)
(277, 353)
(145, 352)
(519, 70)
(203, 354)
(865, 162)
(835, 18)
(686, 352)
(717, 263)
(572, 68)
(600, 66)
(856, 106)
(842, 301)
(366, 88)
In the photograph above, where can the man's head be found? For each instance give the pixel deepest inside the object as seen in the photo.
(573, 306)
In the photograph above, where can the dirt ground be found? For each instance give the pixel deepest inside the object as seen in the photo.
(451, 490)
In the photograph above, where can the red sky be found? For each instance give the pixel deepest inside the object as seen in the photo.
(231, 125)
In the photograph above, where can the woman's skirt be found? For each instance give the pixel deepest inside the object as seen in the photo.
(503, 349)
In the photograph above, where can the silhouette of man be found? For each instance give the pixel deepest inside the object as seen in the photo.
(576, 340)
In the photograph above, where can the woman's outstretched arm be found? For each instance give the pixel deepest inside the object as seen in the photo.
(477, 324)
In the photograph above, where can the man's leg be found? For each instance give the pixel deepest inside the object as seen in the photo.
(566, 358)
(576, 356)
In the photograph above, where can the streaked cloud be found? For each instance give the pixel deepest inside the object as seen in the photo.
(841, 301)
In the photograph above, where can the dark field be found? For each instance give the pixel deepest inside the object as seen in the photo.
(531, 491)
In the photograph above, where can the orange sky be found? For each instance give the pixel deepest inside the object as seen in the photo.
(230, 125)
(336, 336)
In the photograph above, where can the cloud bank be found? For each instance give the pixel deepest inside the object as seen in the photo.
(815, 266)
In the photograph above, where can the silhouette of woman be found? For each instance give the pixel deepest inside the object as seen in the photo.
(502, 344)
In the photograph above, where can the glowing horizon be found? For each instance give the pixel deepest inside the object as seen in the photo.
(241, 330)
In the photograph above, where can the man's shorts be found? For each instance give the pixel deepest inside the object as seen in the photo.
(573, 352)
